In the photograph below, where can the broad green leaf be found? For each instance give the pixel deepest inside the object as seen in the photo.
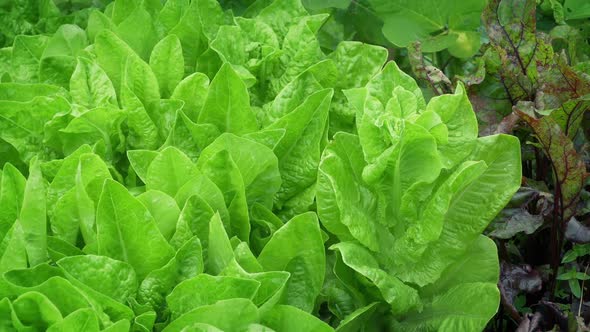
(141, 160)
(193, 91)
(167, 64)
(93, 171)
(190, 32)
(220, 252)
(230, 45)
(172, 12)
(228, 105)
(227, 315)
(164, 210)
(280, 14)
(457, 114)
(347, 206)
(27, 91)
(80, 320)
(257, 164)
(12, 188)
(98, 124)
(288, 318)
(48, 281)
(205, 289)
(300, 148)
(22, 123)
(59, 56)
(186, 264)
(224, 172)
(138, 31)
(112, 53)
(357, 63)
(143, 133)
(33, 216)
(301, 50)
(90, 86)
(438, 25)
(140, 79)
(297, 248)
(424, 223)
(169, 171)
(487, 195)
(113, 278)
(122, 225)
(13, 251)
(478, 264)
(26, 57)
(400, 296)
(466, 307)
(381, 86)
(208, 192)
(189, 137)
(358, 319)
(576, 9)
(194, 220)
(34, 310)
(272, 283)
(120, 326)
(97, 21)
(59, 249)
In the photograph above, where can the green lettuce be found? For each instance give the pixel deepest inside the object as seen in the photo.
(170, 166)
(408, 197)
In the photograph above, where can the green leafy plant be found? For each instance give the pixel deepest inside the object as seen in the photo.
(405, 197)
(173, 167)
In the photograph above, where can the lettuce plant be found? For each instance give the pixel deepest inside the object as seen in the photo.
(172, 167)
(408, 197)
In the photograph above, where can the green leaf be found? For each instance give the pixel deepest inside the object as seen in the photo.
(95, 125)
(206, 290)
(138, 31)
(35, 310)
(224, 172)
(228, 105)
(401, 297)
(576, 9)
(22, 124)
(220, 251)
(487, 194)
(256, 163)
(80, 320)
(287, 318)
(140, 79)
(300, 148)
(466, 307)
(110, 277)
(12, 188)
(438, 25)
(167, 64)
(340, 184)
(297, 248)
(193, 91)
(169, 171)
(90, 86)
(26, 57)
(33, 216)
(186, 264)
(112, 53)
(227, 315)
(457, 115)
(164, 210)
(122, 225)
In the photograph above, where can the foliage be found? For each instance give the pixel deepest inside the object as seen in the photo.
(175, 166)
